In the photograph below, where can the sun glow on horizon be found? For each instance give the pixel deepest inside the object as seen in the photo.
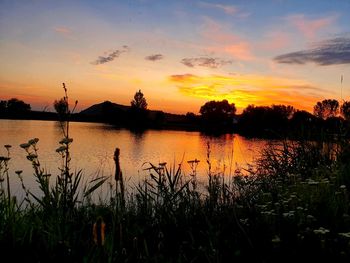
(244, 90)
(180, 54)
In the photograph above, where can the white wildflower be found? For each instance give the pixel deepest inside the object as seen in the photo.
(321, 231)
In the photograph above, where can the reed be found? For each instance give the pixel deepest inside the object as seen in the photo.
(293, 204)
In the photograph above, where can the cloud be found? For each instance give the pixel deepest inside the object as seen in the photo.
(111, 56)
(310, 27)
(221, 40)
(154, 57)
(330, 52)
(227, 9)
(64, 31)
(275, 40)
(248, 89)
(205, 62)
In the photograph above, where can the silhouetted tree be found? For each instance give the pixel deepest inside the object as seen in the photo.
(218, 113)
(302, 117)
(282, 111)
(14, 107)
(345, 110)
(139, 101)
(3, 106)
(326, 109)
(332, 125)
(138, 111)
(305, 125)
(17, 106)
(264, 120)
(253, 120)
(159, 119)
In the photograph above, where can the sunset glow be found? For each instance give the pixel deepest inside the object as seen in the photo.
(179, 53)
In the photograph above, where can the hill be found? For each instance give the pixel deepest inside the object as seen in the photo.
(101, 108)
(119, 115)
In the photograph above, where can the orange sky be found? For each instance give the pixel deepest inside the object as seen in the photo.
(179, 53)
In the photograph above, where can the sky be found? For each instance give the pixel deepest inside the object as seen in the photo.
(180, 54)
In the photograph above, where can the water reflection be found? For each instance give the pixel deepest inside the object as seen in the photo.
(94, 145)
(138, 138)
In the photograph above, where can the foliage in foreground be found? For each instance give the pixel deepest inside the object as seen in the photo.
(293, 206)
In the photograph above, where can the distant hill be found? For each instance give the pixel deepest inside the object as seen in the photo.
(111, 112)
(101, 108)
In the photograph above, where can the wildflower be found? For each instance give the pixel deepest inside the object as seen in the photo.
(61, 149)
(321, 231)
(25, 145)
(98, 232)
(346, 235)
(244, 221)
(66, 141)
(299, 208)
(162, 164)
(285, 214)
(342, 187)
(325, 181)
(33, 141)
(19, 172)
(346, 217)
(276, 240)
(289, 214)
(312, 182)
(337, 193)
(7, 146)
(31, 157)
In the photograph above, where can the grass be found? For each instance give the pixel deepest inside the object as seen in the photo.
(293, 205)
(270, 215)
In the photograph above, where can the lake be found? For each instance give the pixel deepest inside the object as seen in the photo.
(94, 144)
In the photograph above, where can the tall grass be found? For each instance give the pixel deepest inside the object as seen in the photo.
(292, 205)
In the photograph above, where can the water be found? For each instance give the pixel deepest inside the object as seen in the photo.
(94, 144)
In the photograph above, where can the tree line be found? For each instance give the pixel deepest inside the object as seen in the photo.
(14, 106)
(329, 116)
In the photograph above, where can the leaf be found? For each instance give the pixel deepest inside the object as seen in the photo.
(95, 186)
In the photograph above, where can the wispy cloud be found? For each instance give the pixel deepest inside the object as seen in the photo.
(275, 40)
(228, 9)
(111, 56)
(205, 62)
(154, 57)
(221, 40)
(310, 27)
(248, 89)
(330, 52)
(64, 31)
